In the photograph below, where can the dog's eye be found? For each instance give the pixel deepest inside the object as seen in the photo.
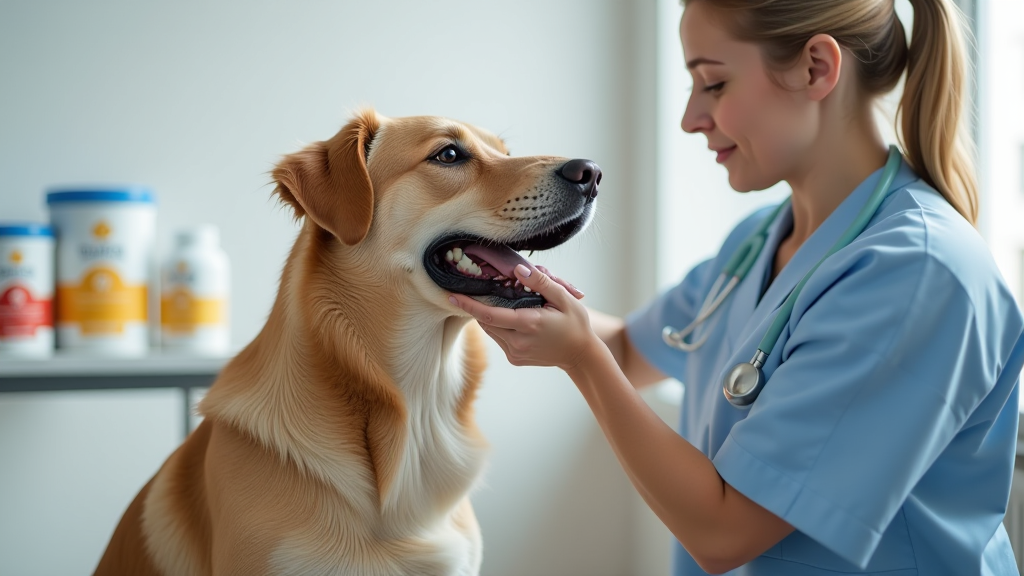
(450, 155)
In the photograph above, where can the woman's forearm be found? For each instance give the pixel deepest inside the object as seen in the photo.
(718, 526)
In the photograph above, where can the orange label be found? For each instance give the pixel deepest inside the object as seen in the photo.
(102, 303)
(182, 312)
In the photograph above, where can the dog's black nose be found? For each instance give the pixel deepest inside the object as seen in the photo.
(585, 173)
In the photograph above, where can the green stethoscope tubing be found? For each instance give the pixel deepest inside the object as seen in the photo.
(744, 382)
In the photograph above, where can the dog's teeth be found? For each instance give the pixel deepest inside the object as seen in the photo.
(457, 254)
(527, 288)
(449, 256)
(467, 265)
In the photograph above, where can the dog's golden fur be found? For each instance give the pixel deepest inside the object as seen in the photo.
(341, 440)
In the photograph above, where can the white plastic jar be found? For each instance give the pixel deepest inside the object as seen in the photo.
(194, 288)
(105, 268)
(26, 290)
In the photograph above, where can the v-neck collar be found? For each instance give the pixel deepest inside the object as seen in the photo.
(748, 310)
(779, 230)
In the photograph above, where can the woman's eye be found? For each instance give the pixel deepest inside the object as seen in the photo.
(449, 155)
(715, 87)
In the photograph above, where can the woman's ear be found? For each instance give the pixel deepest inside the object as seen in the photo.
(819, 67)
(329, 181)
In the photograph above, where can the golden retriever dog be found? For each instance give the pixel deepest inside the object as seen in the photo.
(342, 440)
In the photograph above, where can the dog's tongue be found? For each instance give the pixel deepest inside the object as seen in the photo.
(501, 257)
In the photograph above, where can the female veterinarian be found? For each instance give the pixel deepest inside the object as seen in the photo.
(883, 439)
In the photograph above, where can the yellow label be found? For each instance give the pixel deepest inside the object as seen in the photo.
(16, 257)
(182, 312)
(102, 303)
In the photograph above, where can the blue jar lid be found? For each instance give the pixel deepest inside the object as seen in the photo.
(112, 194)
(25, 229)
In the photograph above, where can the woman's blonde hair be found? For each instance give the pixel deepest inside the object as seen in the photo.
(936, 144)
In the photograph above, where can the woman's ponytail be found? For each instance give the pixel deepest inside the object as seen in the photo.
(933, 135)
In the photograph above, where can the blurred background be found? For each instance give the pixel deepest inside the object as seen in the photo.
(199, 100)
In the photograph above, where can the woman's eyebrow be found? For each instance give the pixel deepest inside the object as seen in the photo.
(698, 61)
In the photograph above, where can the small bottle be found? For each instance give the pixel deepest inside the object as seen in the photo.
(26, 290)
(194, 288)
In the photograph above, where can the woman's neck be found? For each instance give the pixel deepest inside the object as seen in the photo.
(843, 157)
(835, 165)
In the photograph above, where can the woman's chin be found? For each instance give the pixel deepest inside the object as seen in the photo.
(738, 183)
(744, 183)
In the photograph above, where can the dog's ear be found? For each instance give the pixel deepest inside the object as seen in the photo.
(329, 182)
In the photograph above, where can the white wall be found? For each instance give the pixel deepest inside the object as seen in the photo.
(1001, 146)
(199, 99)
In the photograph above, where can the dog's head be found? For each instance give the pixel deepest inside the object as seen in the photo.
(437, 203)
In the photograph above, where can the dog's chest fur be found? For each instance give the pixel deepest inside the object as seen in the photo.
(441, 459)
(419, 516)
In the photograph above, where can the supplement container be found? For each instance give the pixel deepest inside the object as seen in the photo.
(194, 289)
(26, 290)
(105, 268)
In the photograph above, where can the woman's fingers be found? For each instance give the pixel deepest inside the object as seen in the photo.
(550, 336)
(555, 293)
(572, 289)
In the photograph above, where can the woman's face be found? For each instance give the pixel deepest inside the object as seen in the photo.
(758, 129)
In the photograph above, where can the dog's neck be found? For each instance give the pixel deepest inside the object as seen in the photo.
(356, 312)
(334, 359)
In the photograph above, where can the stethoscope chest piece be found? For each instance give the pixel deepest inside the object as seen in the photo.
(744, 382)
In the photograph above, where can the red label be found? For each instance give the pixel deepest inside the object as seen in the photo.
(21, 314)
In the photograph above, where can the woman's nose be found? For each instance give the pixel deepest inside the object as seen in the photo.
(695, 119)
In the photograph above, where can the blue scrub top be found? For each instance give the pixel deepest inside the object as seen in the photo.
(887, 430)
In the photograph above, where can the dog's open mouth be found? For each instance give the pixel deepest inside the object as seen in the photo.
(476, 266)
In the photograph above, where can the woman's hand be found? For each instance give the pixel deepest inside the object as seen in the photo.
(558, 334)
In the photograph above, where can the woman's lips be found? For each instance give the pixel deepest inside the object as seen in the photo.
(724, 154)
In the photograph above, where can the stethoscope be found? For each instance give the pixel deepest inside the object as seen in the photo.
(744, 382)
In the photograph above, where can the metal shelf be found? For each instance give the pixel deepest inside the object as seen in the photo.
(65, 371)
